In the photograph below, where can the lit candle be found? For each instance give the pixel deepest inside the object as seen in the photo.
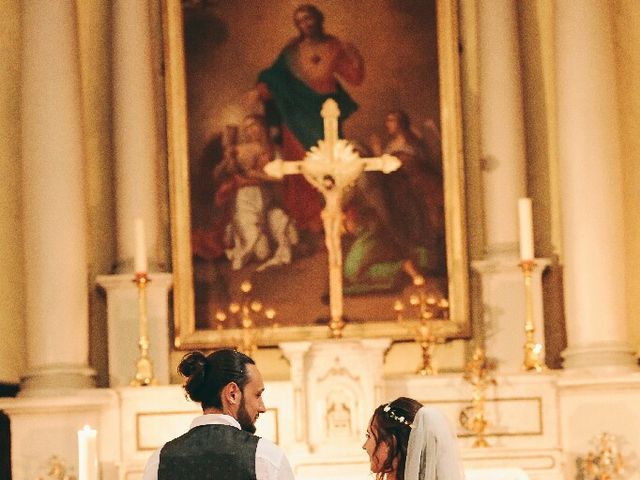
(140, 256)
(526, 229)
(87, 454)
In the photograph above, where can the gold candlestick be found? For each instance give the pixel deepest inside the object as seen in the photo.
(479, 372)
(144, 368)
(57, 470)
(532, 351)
(425, 309)
(606, 463)
(244, 310)
(427, 344)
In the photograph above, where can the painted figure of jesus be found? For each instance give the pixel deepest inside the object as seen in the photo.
(293, 89)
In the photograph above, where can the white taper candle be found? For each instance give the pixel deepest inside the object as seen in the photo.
(526, 229)
(87, 454)
(140, 256)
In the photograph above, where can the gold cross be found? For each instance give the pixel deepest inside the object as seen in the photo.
(332, 167)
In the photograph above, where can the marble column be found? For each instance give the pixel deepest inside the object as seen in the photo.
(55, 215)
(591, 179)
(135, 130)
(137, 157)
(501, 124)
(504, 181)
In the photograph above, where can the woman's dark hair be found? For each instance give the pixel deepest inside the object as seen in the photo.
(208, 375)
(386, 427)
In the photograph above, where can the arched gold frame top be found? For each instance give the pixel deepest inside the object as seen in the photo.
(186, 336)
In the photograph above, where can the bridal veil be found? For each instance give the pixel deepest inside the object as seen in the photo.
(432, 453)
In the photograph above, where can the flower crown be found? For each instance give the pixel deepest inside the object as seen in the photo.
(394, 416)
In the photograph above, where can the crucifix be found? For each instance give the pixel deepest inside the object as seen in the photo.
(332, 167)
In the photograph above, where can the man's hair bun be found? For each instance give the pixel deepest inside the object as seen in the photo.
(194, 367)
(206, 376)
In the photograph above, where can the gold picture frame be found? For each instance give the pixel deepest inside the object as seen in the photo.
(186, 334)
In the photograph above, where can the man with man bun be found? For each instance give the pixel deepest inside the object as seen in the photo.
(221, 443)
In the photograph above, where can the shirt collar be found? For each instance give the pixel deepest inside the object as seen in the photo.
(215, 419)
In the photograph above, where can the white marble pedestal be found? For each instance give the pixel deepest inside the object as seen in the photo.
(503, 300)
(122, 321)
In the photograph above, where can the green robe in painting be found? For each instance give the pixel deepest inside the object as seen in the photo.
(296, 105)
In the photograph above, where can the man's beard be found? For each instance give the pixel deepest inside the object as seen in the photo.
(246, 422)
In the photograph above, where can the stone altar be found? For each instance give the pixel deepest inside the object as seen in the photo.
(540, 423)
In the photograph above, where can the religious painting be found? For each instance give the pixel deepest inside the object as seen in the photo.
(245, 85)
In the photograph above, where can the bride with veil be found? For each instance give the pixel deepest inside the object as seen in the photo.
(407, 441)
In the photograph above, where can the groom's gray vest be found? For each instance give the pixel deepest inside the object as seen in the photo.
(209, 452)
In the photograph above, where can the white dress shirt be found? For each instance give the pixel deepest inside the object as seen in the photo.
(271, 462)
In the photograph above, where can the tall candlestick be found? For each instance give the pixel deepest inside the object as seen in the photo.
(140, 256)
(526, 229)
(87, 454)
(144, 367)
(533, 356)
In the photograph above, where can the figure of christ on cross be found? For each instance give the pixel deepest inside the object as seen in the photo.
(331, 167)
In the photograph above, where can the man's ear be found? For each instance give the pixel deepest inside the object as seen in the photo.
(232, 393)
